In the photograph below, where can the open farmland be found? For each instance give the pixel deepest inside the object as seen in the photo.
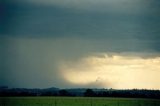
(76, 101)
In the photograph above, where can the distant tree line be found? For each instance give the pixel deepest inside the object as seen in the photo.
(134, 93)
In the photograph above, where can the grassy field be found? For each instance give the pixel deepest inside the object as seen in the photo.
(75, 101)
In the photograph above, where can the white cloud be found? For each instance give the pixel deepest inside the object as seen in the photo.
(114, 71)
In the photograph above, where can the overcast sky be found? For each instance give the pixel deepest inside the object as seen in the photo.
(80, 43)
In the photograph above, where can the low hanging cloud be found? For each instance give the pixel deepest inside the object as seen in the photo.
(115, 71)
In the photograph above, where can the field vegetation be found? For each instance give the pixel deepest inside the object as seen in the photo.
(76, 101)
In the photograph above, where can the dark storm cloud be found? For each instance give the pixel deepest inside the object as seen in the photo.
(36, 35)
(37, 20)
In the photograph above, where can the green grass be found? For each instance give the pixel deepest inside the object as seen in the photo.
(76, 101)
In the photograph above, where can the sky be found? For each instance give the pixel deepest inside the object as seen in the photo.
(80, 44)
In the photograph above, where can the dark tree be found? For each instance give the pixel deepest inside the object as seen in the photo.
(89, 93)
(64, 93)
